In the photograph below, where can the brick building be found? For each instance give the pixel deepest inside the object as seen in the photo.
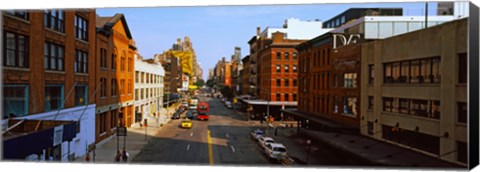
(116, 50)
(48, 79)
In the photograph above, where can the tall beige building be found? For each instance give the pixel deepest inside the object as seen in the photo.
(414, 91)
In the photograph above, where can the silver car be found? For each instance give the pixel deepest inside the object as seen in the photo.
(264, 141)
(275, 151)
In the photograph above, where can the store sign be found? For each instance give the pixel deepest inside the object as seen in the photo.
(340, 40)
(57, 135)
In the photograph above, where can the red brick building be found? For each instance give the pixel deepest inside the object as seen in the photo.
(49, 74)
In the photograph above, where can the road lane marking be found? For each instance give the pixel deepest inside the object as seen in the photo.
(226, 135)
(210, 148)
(233, 149)
(191, 134)
(188, 147)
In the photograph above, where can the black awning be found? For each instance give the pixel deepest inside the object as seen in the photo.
(318, 119)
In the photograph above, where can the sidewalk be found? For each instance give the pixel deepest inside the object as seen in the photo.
(134, 142)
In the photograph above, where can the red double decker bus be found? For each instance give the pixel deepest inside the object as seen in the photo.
(203, 109)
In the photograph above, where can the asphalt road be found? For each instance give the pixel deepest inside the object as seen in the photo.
(222, 140)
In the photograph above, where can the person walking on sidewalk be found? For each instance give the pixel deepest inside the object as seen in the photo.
(276, 130)
(118, 156)
(125, 154)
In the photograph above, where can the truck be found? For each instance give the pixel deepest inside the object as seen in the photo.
(193, 103)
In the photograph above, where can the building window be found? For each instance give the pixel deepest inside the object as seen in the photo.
(370, 127)
(462, 68)
(81, 62)
(113, 92)
(103, 123)
(287, 55)
(122, 63)
(295, 68)
(54, 19)
(278, 96)
(103, 87)
(53, 97)
(414, 71)
(388, 73)
(114, 60)
(387, 104)
(23, 14)
(295, 54)
(278, 68)
(278, 82)
(462, 154)
(286, 97)
(370, 74)
(295, 82)
(15, 101)
(370, 102)
(335, 104)
(404, 106)
(122, 87)
(349, 105)
(81, 28)
(136, 94)
(15, 50)
(462, 112)
(335, 81)
(54, 56)
(287, 82)
(350, 80)
(404, 69)
(103, 58)
(286, 68)
(136, 76)
(130, 64)
(295, 97)
(279, 54)
(81, 94)
(130, 86)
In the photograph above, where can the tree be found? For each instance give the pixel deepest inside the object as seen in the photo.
(200, 83)
(210, 83)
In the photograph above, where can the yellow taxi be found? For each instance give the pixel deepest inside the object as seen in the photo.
(186, 123)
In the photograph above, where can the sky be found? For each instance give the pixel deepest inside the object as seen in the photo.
(216, 30)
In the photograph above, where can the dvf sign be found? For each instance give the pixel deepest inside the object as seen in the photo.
(340, 40)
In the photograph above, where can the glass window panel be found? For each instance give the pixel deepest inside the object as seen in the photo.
(15, 101)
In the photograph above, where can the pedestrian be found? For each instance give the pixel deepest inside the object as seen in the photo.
(118, 156)
(276, 130)
(125, 155)
(87, 158)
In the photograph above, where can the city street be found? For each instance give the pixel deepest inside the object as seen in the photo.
(229, 140)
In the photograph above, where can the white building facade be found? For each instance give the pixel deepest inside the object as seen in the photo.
(297, 29)
(148, 90)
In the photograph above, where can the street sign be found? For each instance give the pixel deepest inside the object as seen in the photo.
(121, 131)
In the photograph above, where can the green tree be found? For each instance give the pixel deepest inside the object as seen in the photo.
(210, 83)
(200, 83)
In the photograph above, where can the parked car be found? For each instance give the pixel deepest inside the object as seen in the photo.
(184, 104)
(176, 115)
(228, 104)
(275, 151)
(264, 141)
(256, 134)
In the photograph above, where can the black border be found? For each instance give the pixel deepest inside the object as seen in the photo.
(473, 29)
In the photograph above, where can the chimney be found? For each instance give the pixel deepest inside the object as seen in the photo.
(258, 31)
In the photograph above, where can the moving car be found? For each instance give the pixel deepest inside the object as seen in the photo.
(275, 151)
(191, 114)
(202, 116)
(193, 103)
(186, 123)
(264, 141)
(184, 104)
(256, 134)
